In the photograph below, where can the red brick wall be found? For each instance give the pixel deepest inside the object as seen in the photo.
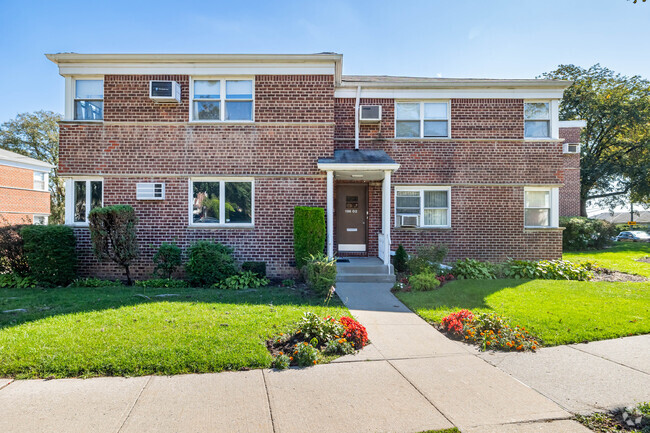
(344, 116)
(271, 240)
(487, 118)
(294, 98)
(126, 99)
(570, 193)
(18, 199)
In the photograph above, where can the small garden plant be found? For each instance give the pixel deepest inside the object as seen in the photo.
(488, 332)
(315, 337)
(631, 419)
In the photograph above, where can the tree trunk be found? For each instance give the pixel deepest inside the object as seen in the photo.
(583, 207)
(128, 275)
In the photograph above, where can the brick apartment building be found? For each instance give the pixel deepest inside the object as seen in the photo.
(24, 189)
(223, 147)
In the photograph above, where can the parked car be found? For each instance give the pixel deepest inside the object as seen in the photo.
(633, 236)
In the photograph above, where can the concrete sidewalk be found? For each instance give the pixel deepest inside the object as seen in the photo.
(411, 378)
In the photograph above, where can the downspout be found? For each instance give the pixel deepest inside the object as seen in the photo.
(356, 119)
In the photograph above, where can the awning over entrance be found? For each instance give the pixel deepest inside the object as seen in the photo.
(351, 164)
(363, 165)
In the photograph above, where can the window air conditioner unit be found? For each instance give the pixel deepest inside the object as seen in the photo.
(150, 191)
(571, 148)
(409, 220)
(370, 113)
(165, 91)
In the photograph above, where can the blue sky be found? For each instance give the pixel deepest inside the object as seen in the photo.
(448, 38)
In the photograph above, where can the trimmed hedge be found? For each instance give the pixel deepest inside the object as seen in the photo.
(50, 253)
(209, 263)
(586, 233)
(308, 233)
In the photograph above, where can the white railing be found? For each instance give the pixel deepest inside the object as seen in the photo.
(382, 246)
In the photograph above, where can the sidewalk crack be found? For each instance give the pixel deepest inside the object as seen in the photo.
(574, 347)
(128, 414)
(268, 400)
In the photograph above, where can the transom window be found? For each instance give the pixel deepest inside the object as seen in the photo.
(422, 207)
(421, 119)
(86, 196)
(541, 207)
(40, 181)
(537, 120)
(222, 100)
(221, 202)
(89, 100)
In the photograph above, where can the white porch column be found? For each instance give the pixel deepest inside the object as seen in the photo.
(385, 215)
(330, 214)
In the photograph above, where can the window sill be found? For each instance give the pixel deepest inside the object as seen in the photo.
(424, 228)
(221, 226)
(221, 122)
(541, 229)
(77, 225)
(421, 138)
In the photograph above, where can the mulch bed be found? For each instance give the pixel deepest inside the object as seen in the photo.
(645, 259)
(610, 275)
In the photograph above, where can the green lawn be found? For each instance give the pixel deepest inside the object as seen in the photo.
(85, 332)
(558, 312)
(621, 257)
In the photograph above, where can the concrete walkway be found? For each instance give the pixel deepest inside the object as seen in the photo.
(411, 378)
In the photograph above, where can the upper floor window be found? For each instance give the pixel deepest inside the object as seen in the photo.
(40, 181)
(422, 206)
(537, 120)
(541, 207)
(221, 202)
(222, 100)
(89, 100)
(421, 119)
(85, 196)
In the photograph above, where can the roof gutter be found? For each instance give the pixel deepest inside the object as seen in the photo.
(471, 84)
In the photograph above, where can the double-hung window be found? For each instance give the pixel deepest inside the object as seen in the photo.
(421, 119)
(89, 100)
(537, 120)
(222, 100)
(82, 196)
(541, 207)
(426, 206)
(221, 202)
(40, 181)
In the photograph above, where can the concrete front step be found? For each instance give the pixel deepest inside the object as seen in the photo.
(365, 278)
(363, 269)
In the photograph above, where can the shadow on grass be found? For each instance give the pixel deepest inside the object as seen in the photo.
(43, 303)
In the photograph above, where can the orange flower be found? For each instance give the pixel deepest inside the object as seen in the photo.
(314, 362)
(291, 358)
(281, 353)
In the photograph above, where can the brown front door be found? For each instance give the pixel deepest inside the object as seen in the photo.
(351, 215)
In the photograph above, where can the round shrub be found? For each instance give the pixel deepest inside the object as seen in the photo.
(50, 253)
(423, 282)
(586, 233)
(167, 259)
(209, 263)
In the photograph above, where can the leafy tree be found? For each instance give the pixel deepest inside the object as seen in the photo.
(112, 232)
(615, 163)
(37, 135)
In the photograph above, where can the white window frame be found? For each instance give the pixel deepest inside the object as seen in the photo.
(422, 119)
(71, 93)
(69, 199)
(45, 180)
(553, 119)
(222, 203)
(222, 98)
(422, 189)
(554, 202)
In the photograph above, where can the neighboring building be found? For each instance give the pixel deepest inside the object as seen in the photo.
(223, 147)
(623, 217)
(24, 189)
(570, 195)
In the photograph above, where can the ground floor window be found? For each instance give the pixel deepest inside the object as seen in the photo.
(422, 206)
(221, 201)
(541, 207)
(82, 196)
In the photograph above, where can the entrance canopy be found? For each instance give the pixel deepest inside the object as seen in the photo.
(350, 164)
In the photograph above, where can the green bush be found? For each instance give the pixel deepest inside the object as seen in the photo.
(162, 283)
(16, 281)
(12, 253)
(322, 329)
(471, 269)
(209, 263)
(306, 355)
(95, 282)
(112, 232)
(400, 259)
(427, 259)
(243, 280)
(288, 283)
(51, 254)
(548, 270)
(258, 268)
(423, 282)
(519, 269)
(167, 259)
(320, 273)
(308, 233)
(585, 233)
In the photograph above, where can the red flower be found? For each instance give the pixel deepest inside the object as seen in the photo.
(355, 332)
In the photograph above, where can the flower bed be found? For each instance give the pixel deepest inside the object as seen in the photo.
(316, 337)
(488, 332)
